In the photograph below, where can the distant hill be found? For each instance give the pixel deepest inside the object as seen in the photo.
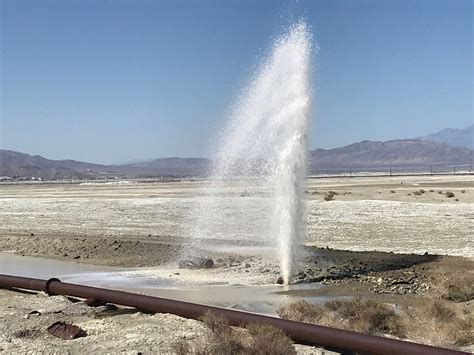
(453, 136)
(15, 164)
(408, 154)
(20, 165)
(397, 153)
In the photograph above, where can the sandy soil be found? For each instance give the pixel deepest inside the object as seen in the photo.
(136, 225)
(365, 215)
(108, 330)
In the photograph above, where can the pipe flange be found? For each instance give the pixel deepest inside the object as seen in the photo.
(46, 285)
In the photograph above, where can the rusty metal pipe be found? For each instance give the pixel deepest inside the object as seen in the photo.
(300, 332)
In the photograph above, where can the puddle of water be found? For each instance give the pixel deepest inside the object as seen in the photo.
(321, 299)
(259, 299)
(263, 299)
(27, 266)
(119, 280)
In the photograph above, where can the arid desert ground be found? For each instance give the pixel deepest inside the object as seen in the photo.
(399, 240)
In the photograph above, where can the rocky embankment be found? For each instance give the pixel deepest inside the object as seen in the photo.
(388, 274)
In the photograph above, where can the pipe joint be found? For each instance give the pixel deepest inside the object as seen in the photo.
(47, 283)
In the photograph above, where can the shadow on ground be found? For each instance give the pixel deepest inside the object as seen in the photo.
(331, 264)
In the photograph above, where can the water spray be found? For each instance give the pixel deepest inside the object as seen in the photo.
(264, 145)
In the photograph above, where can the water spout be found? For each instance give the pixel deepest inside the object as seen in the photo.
(264, 147)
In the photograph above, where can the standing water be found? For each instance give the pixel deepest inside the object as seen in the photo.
(262, 152)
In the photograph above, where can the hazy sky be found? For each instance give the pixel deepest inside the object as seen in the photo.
(109, 81)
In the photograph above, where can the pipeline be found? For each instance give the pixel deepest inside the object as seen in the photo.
(305, 333)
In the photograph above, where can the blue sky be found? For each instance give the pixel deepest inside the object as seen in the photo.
(109, 81)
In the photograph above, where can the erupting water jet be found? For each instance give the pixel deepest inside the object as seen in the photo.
(264, 146)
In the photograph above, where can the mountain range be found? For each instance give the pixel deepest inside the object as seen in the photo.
(403, 154)
(455, 137)
(442, 149)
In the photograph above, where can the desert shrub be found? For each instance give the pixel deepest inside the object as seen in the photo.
(330, 195)
(409, 194)
(367, 316)
(392, 191)
(266, 339)
(220, 339)
(381, 319)
(463, 331)
(357, 314)
(223, 339)
(460, 293)
(437, 324)
(440, 312)
(215, 322)
(440, 192)
(417, 193)
(333, 305)
(449, 194)
(431, 190)
(463, 191)
(301, 311)
(432, 323)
